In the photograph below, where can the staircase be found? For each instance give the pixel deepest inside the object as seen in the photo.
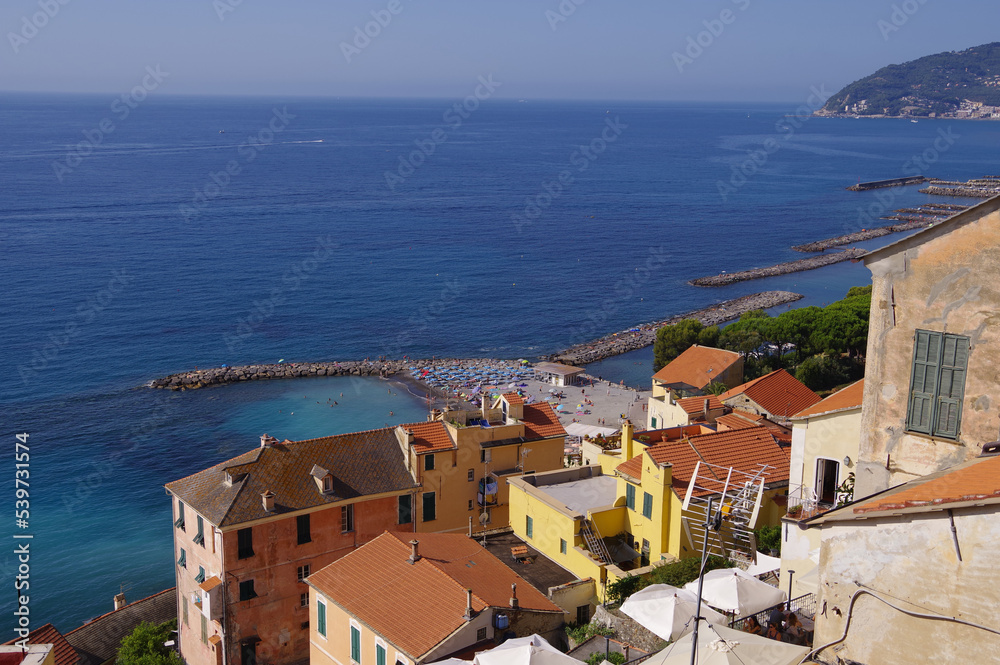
(594, 542)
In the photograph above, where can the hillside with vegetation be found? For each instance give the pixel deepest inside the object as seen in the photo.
(937, 84)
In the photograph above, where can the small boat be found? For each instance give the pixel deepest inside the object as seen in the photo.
(913, 121)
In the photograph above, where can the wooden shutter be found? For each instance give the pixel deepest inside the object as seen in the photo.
(951, 385)
(923, 380)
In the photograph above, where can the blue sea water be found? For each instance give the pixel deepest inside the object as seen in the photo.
(209, 231)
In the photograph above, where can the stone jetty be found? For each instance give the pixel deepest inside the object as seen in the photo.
(200, 378)
(865, 234)
(639, 337)
(891, 182)
(810, 263)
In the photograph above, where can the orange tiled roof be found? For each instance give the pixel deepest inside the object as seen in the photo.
(779, 393)
(976, 480)
(695, 405)
(430, 437)
(62, 651)
(842, 400)
(362, 464)
(737, 420)
(541, 421)
(697, 367)
(742, 449)
(513, 399)
(429, 594)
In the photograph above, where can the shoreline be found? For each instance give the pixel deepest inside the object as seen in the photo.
(610, 345)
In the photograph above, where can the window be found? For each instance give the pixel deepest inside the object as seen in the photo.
(582, 615)
(304, 600)
(204, 629)
(430, 507)
(647, 505)
(472, 475)
(481, 634)
(630, 496)
(644, 553)
(937, 383)
(244, 543)
(652, 422)
(405, 508)
(182, 561)
(248, 652)
(355, 644)
(529, 527)
(347, 518)
(563, 545)
(428, 462)
(302, 572)
(179, 522)
(826, 480)
(246, 590)
(200, 577)
(379, 654)
(302, 525)
(321, 617)
(200, 536)
(327, 483)
(470, 504)
(483, 459)
(184, 610)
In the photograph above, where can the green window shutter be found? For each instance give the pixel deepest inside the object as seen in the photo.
(321, 617)
(647, 505)
(529, 527)
(182, 561)
(653, 422)
(379, 654)
(200, 577)
(951, 386)
(355, 645)
(923, 381)
(630, 496)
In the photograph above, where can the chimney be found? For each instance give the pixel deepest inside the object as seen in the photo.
(120, 601)
(267, 498)
(670, 396)
(513, 596)
(266, 440)
(409, 436)
(485, 408)
(705, 407)
(414, 556)
(468, 605)
(627, 440)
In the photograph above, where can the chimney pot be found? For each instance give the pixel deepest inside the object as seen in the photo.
(468, 605)
(414, 555)
(267, 498)
(120, 601)
(513, 595)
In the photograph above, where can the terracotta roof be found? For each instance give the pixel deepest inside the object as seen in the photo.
(513, 399)
(99, 639)
(743, 449)
(695, 405)
(738, 420)
(62, 651)
(842, 400)
(430, 594)
(697, 367)
(430, 437)
(779, 393)
(541, 421)
(362, 464)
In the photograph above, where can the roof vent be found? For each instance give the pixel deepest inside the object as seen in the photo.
(267, 498)
(414, 555)
(991, 449)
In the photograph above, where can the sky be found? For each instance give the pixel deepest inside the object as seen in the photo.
(672, 50)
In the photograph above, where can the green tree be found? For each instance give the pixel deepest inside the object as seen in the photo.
(673, 340)
(144, 646)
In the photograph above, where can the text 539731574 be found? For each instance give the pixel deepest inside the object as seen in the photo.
(22, 508)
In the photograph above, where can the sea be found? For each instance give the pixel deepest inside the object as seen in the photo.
(161, 235)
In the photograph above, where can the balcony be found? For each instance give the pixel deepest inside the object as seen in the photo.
(803, 503)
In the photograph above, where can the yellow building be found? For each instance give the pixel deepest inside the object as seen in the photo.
(826, 438)
(463, 459)
(418, 599)
(687, 375)
(613, 519)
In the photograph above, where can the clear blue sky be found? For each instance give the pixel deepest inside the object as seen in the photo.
(770, 50)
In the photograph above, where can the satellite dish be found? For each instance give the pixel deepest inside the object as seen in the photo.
(484, 518)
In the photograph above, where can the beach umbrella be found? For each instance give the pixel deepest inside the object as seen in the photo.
(531, 650)
(732, 590)
(765, 564)
(667, 610)
(719, 645)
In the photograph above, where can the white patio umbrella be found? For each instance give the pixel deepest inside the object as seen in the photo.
(531, 650)
(765, 564)
(718, 645)
(732, 590)
(667, 610)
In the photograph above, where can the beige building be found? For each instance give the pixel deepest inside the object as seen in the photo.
(909, 575)
(930, 383)
(410, 599)
(777, 396)
(686, 376)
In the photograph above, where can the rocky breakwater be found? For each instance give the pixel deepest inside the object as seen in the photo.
(200, 378)
(810, 263)
(644, 335)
